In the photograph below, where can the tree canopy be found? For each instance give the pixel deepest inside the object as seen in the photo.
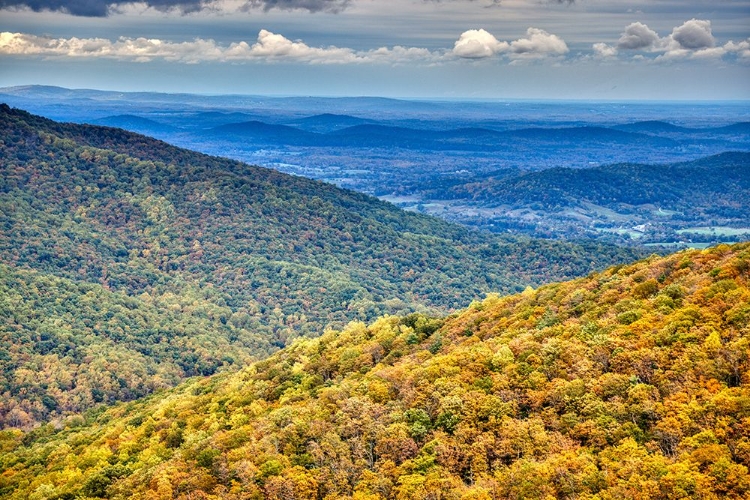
(629, 383)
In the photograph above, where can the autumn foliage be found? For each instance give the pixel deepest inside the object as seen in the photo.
(630, 383)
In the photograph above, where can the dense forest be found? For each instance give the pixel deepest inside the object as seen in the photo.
(169, 263)
(68, 345)
(629, 383)
(717, 184)
(705, 200)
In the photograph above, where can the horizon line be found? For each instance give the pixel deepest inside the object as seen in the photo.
(477, 99)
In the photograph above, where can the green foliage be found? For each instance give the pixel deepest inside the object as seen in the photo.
(70, 345)
(585, 407)
(712, 186)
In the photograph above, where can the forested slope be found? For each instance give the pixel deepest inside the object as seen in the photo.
(630, 383)
(248, 257)
(67, 345)
(712, 186)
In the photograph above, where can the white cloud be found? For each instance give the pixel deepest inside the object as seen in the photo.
(479, 44)
(538, 43)
(693, 39)
(273, 47)
(137, 49)
(603, 50)
(403, 55)
(742, 49)
(269, 47)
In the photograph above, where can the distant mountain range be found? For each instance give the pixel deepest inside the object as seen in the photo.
(135, 124)
(659, 127)
(368, 135)
(461, 160)
(328, 122)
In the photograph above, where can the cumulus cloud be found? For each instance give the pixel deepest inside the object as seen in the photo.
(637, 36)
(479, 44)
(269, 47)
(694, 35)
(692, 39)
(742, 49)
(272, 46)
(102, 8)
(538, 43)
(604, 51)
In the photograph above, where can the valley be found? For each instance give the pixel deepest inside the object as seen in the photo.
(190, 264)
(179, 325)
(431, 156)
(357, 250)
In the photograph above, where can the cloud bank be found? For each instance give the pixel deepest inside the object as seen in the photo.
(98, 8)
(103, 8)
(273, 47)
(269, 47)
(692, 39)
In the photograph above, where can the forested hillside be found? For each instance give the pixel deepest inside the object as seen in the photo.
(701, 200)
(222, 260)
(67, 345)
(630, 383)
(715, 186)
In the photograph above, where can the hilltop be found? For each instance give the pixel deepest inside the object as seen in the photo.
(249, 257)
(648, 203)
(629, 383)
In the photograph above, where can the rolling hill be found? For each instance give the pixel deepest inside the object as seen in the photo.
(250, 258)
(627, 384)
(328, 122)
(261, 132)
(375, 135)
(708, 183)
(696, 202)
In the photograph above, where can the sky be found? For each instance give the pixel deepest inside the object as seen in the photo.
(497, 49)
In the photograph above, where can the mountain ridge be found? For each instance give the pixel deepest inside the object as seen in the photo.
(717, 178)
(629, 382)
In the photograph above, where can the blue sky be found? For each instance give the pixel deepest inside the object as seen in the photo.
(582, 49)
